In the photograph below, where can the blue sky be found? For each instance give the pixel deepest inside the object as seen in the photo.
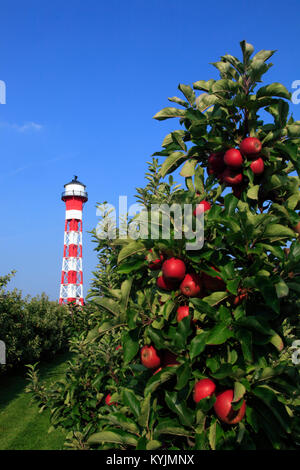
(84, 79)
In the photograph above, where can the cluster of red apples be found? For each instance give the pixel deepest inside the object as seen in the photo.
(228, 166)
(204, 388)
(175, 276)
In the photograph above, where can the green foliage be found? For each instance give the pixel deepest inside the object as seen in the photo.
(242, 332)
(32, 328)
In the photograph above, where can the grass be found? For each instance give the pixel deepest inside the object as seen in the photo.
(22, 427)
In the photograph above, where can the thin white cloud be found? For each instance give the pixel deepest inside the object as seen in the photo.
(27, 126)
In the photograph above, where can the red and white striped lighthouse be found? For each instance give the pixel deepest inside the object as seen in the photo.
(71, 287)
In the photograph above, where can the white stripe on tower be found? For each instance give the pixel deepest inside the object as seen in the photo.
(71, 287)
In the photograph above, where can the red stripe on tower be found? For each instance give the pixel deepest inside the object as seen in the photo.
(71, 287)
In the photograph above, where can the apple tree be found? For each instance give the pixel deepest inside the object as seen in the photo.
(206, 334)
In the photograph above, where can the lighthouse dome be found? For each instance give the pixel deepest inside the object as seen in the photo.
(75, 188)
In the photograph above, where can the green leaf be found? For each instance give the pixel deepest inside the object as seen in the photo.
(180, 333)
(247, 50)
(245, 339)
(123, 421)
(130, 345)
(293, 130)
(224, 85)
(212, 363)
(232, 286)
(125, 292)
(171, 162)
(212, 433)
(257, 69)
(263, 55)
(292, 201)
(256, 323)
(275, 89)
(280, 112)
(204, 101)
(219, 334)
(203, 307)
(179, 101)
(215, 298)
(188, 168)
(131, 249)
(268, 291)
(116, 437)
(234, 62)
(167, 113)
(188, 93)
(183, 376)
(108, 304)
(281, 289)
(153, 445)
(251, 417)
(269, 398)
(278, 231)
(145, 411)
(203, 85)
(277, 342)
(177, 137)
(142, 442)
(225, 370)
(94, 333)
(198, 344)
(169, 139)
(230, 204)
(177, 405)
(171, 426)
(157, 337)
(133, 265)
(294, 286)
(159, 378)
(130, 399)
(239, 391)
(252, 192)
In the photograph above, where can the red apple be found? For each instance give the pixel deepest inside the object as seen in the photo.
(239, 298)
(191, 285)
(155, 264)
(224, 410)
(231, 177)
(149, 357)
(108, 402)
(250, 147)
(213, 283)
(233, 158)
(182, 312)
(165, 284)
(203, 388)
(257, 166)
(118, 347)
(173, 269)
(202, 207)
(216, 163)
(297, 228)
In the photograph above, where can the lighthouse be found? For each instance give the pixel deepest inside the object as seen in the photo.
(71, 287)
